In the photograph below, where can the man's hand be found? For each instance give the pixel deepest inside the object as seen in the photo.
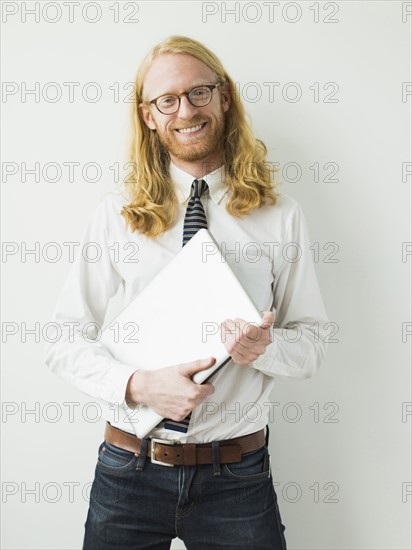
(170, 391)
(245, 341)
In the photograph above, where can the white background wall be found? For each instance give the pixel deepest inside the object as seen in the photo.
(343, 476)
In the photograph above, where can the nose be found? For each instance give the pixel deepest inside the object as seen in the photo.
(186, 109)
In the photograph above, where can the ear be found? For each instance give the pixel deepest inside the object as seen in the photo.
(226, 97)
(146, 115)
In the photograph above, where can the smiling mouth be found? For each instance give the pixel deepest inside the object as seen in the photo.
(191, 129)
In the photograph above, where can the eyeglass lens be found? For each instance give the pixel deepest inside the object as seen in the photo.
(198, 97)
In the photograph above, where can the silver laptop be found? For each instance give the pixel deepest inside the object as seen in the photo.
(175, 318)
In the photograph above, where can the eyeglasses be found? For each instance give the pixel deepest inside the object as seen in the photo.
(199, 96)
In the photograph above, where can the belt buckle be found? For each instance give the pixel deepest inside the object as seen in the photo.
(155, 440)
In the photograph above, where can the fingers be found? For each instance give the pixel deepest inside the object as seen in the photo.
(245, 341)
(267, 321)
(171, 392)
(247, 333)
(243, 355)
(208, 388)
(178, 406)
(197, 396)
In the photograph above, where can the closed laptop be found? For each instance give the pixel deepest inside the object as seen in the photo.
(176, 318)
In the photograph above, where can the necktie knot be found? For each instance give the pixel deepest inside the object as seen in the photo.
(198, 188)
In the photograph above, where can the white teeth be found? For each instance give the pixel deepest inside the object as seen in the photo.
(188, 130)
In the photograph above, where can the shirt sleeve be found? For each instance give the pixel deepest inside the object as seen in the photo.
(299, 335)
(74, 352)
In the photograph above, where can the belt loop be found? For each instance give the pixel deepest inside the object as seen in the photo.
(216, 458)
(266, 462)
(267, 435)
(142, 456)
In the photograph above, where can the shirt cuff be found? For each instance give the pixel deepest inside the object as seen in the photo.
(116, 382)
(265, 362)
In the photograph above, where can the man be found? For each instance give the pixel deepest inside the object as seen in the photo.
(194, 155)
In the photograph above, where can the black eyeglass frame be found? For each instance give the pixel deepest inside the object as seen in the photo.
(186, 94)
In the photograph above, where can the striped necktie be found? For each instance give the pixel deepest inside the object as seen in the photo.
(195, 219)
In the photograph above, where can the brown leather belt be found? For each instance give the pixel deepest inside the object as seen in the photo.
(169, 453)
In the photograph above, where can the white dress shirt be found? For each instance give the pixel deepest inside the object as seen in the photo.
(269, 252)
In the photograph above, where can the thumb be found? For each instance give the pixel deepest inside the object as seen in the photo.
(268, 319)
(189, 369)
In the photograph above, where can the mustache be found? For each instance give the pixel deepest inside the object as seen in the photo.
(189, 123)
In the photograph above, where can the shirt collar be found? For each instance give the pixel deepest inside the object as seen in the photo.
(183, 183)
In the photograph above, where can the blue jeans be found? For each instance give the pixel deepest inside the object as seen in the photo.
(136, 504)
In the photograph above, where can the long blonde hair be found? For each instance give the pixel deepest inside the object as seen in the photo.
(153, 200)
